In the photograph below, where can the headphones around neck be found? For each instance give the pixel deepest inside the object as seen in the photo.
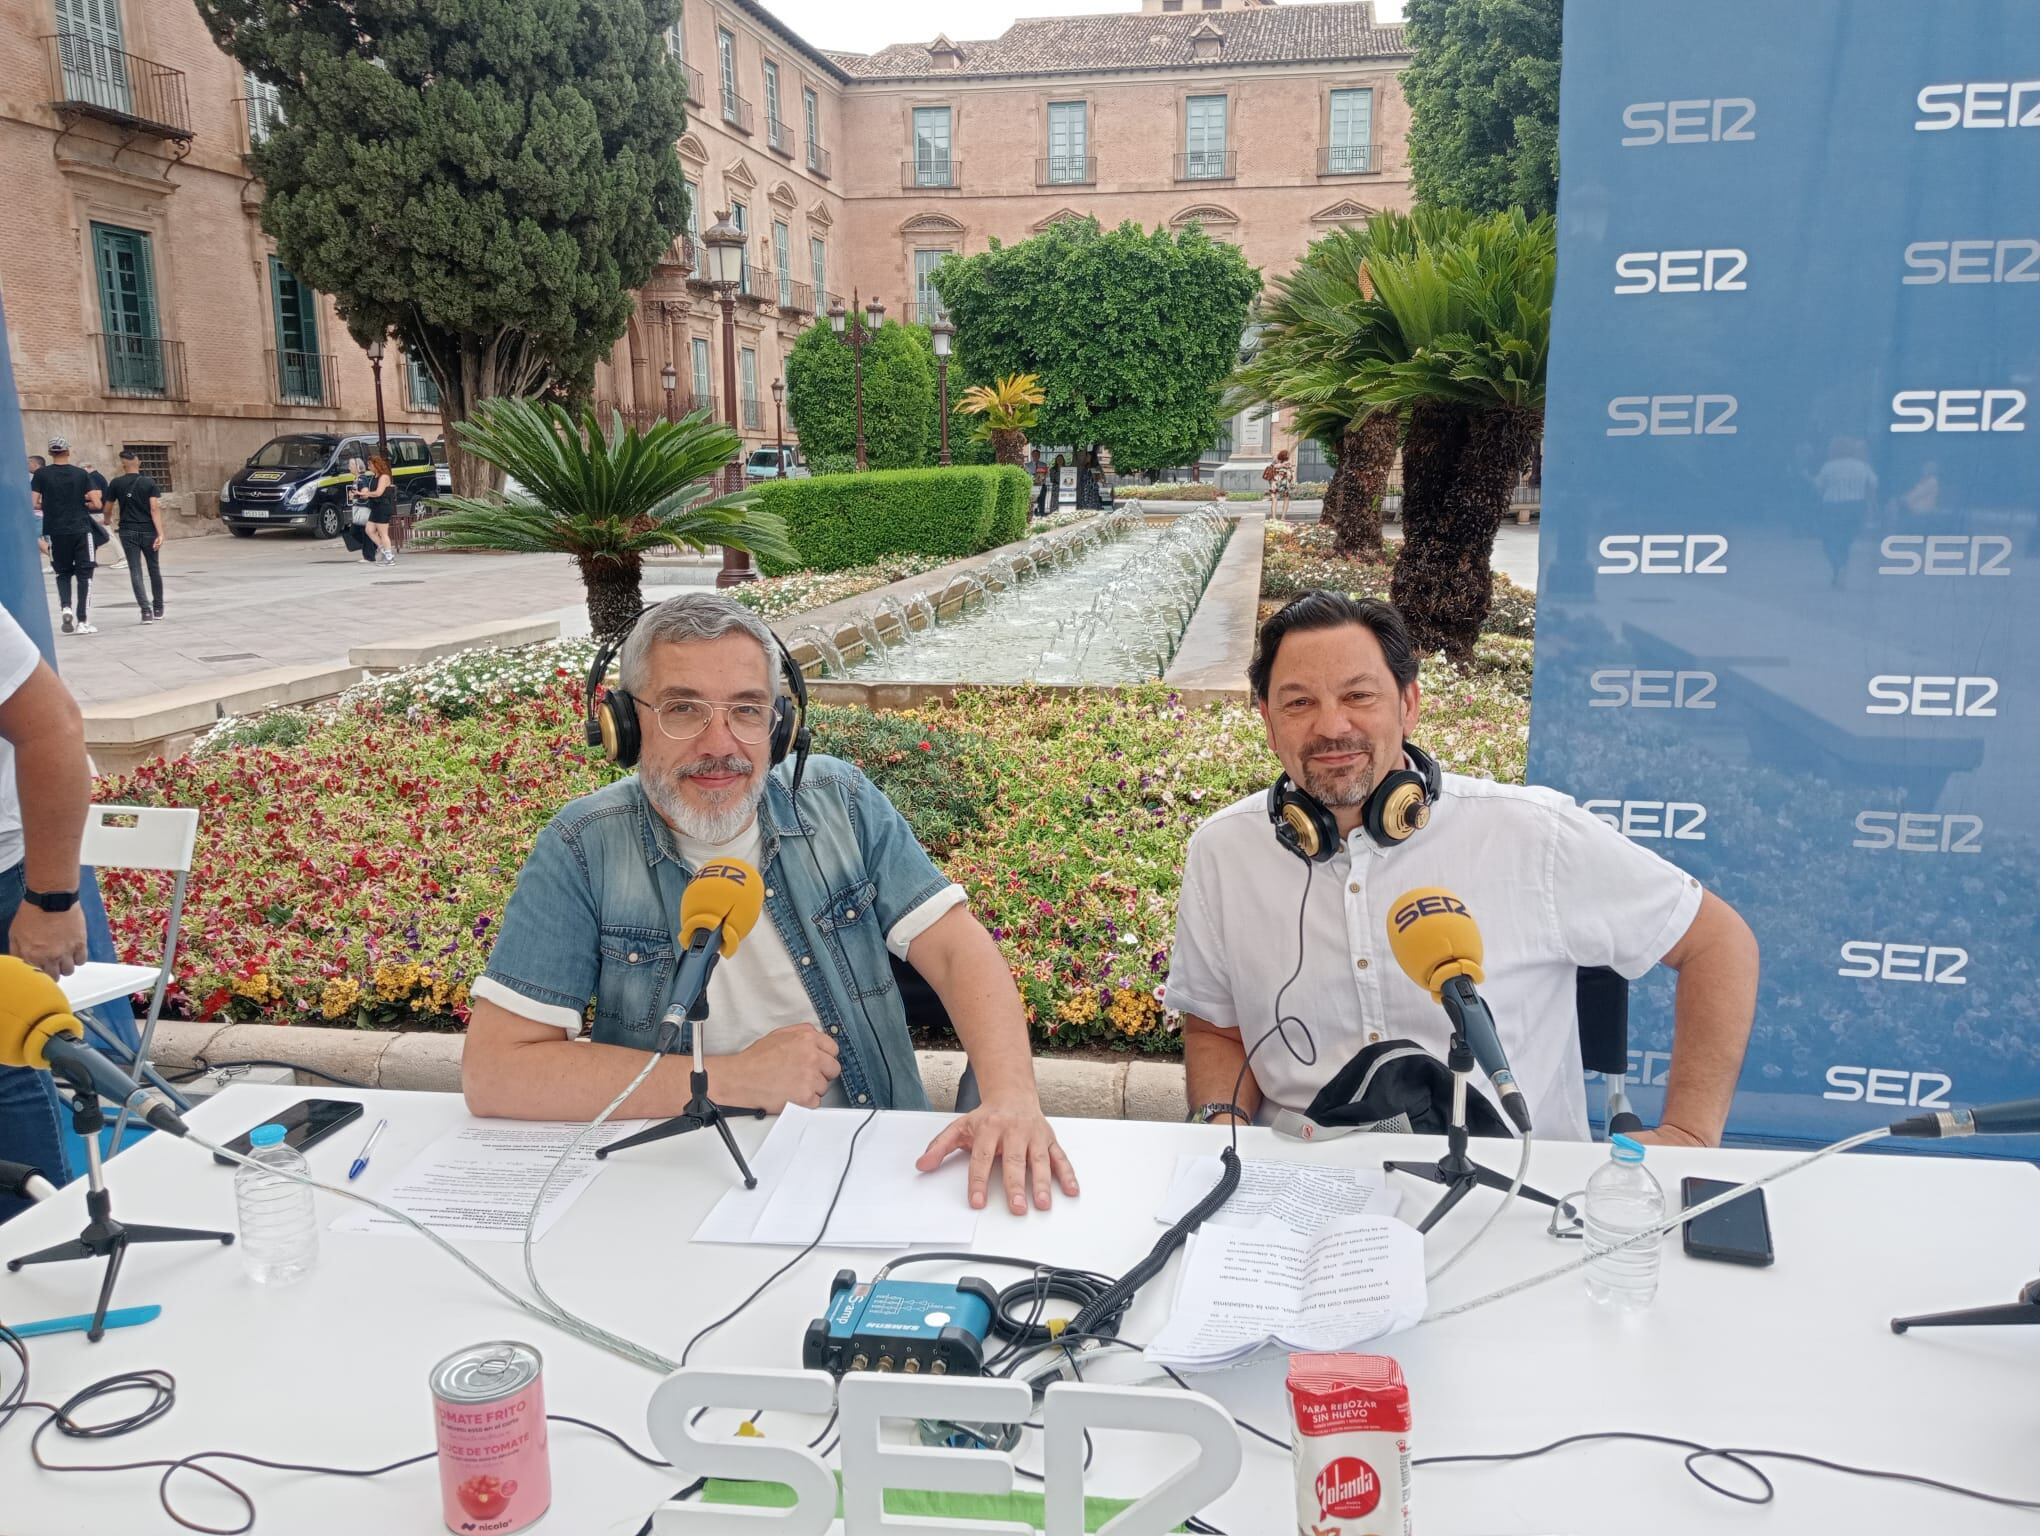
(612, 718)
(1398, 807)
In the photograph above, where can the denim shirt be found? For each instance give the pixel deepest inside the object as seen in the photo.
(596, 913)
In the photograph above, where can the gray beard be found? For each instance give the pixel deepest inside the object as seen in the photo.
(1337, 795)
(719, 825)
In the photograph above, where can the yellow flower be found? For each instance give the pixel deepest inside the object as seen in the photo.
(1080, 1009)
(338, 998)
(1131, 1012)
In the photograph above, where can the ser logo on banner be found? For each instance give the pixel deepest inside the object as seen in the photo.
(1919, 831)
(1945, 554)
(1651, 688)
(1708, 271)
(1663, 554)
(1889, 1085)
(1958, 410)
(1672, 416)
(1677, 820)
(1979, 104)
(1900, 693)
(1972, 261)
(1872, 960)
(1724, 119)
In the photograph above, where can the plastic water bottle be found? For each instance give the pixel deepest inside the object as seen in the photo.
(1623, 1199)
(279, 1226)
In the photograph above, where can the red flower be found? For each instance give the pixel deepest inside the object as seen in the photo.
(927, 746)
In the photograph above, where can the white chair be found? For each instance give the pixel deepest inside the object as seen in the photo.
(135, 837)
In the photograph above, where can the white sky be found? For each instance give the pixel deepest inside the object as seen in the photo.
(868, 26)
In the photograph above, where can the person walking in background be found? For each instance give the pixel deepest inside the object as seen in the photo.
(141, 531)
(102, 526)
(382, 502)
(352, 533)
(36, 462)
(64, 494)
(1040, 474)
(1281, 481)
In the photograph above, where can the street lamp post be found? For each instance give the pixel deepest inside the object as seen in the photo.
(725, 244)
(942, 332)
(779, 421)
(382, 430)
(862, 326)
(670, 377)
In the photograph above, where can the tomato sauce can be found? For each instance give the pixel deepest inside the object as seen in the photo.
(1351, 1417)
(495, 1471)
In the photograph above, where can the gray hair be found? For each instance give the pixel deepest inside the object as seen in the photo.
(694, 616)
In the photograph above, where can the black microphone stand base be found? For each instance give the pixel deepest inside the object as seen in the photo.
(2023, 1313)
(103, 1237)
(701, 1113)
(1461, 1176)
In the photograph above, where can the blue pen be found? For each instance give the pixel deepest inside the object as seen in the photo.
(119, 1317)
(367, 1147)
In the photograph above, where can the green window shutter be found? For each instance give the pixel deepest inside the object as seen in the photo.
(300, 376)
(127, 311)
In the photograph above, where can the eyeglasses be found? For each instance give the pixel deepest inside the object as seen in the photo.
(685, 719)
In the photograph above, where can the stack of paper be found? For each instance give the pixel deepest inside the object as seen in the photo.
(1358, 1278)
(1296, 1197)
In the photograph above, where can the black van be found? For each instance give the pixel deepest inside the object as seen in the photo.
(300, 480)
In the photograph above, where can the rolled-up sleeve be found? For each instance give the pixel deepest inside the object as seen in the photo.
(1197, 981)
(903, 875)
(543, 965)
(1615, 903)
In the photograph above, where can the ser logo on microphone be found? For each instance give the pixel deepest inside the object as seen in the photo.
(1427, 906)
(738, 873)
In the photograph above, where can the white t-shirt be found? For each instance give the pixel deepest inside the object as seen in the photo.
(758, 989)
(18, 659)
(1552, 888)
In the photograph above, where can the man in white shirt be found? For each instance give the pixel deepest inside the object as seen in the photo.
(1552, 888)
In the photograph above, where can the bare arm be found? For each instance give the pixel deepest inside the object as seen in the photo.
(516, 1068)
(1715, 1003)
(1212, 1058)
(156, 517)
(41, 720)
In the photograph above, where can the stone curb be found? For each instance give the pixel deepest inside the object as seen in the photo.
(1133, 1089)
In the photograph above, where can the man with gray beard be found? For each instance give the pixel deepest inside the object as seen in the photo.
(806, 1010)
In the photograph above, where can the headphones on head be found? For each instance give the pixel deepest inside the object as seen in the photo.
(1398, 807)
(611, 715)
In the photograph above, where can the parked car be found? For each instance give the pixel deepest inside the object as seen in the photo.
(441, 474)
(773, 463)
(300, 480)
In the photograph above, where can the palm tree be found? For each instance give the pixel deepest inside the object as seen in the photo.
(1469, 330)
(1008, 410)
(607, 500)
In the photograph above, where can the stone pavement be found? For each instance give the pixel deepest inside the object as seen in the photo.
(235, 606)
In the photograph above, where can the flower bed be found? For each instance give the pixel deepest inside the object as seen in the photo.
(797, 591)
(1298, 557)
(357, 875)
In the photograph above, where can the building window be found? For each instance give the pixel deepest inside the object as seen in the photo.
(932, 165)
(693, 227)
(927, 302)
(702, 389)
(1068, 142)
(818, 258)
(676, 35)
(1204, 138)
(155, 462)
(747, 387)
(726, 63)
(782, 260)
(772, 100)
(89, 44)
(740, 217)
(1351, 149)
(265, 108)
(1172, 5)
(132, 333)
(1311, 464)
(424, 393)
(300, 375)
(811, 108)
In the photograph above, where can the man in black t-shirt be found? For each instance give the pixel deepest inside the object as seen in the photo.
(141, 530)
(65, 496)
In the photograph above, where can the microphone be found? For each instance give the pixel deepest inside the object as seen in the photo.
(721, 906)
(1437, 943)
(39, 1031)
(24, 1182)
(2014, 1117)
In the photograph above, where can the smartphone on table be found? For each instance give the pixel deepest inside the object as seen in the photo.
(1736, 1233)
(305, 1124)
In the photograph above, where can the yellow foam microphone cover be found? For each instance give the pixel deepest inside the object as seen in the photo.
(1434, 938)
(729, 892)
(33, 1011)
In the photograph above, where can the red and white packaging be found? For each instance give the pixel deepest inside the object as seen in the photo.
(495, 1471)
(1350, 1417)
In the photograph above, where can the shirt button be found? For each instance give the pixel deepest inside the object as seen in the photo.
(1373, 1037)
(863, 1098)
(632, 957)
(807, 959)
(1354, 887)
(849, 914)
(1361, 962)
(768, 893)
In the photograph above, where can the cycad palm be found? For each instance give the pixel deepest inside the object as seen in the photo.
(606, 499)
(1006, 410)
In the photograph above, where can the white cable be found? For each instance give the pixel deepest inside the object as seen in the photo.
(637, 1354)
(1656, 1233)
(1522, 1172)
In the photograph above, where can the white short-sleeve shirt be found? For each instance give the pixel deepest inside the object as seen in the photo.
(18, 659)
(1552, 888)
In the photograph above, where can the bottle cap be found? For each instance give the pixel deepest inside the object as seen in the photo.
(266, 1135)
(1626, 1149)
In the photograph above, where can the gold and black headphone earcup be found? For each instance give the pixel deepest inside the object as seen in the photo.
(1303, 830)
(1400, 809)
(616, 719)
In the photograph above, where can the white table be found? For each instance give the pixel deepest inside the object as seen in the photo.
(1799, 1356)
(101, 981)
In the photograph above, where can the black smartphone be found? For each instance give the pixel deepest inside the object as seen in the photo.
(305, 1124)
(1736, 1233)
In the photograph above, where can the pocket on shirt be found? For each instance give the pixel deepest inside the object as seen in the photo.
(850, 926)
(631, 983)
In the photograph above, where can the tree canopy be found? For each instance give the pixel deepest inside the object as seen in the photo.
(1133, 333)
(1483, 95)
(490, 180)
(900, 424)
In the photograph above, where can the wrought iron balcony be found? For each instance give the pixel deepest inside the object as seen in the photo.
(931, 171)
(1207, 165)
(141, 367)
(259, 117)
(779, 136)
(1066, 171)
(796, 298)
(819, 160)
(693, 78)
(304, 378)
(754, 416)
(92, 79)
(736, 111)
(1348, 160)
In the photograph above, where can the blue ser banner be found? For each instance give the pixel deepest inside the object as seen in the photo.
(1788, 630)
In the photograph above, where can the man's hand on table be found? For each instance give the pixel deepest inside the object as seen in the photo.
(792, 1065)
(1018, 1136)
(52, 942)
(1670, 1135)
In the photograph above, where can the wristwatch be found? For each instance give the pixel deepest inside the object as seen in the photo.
(1204, 1114)
(51, 901)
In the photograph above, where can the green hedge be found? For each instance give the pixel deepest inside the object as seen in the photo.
(838, 521)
